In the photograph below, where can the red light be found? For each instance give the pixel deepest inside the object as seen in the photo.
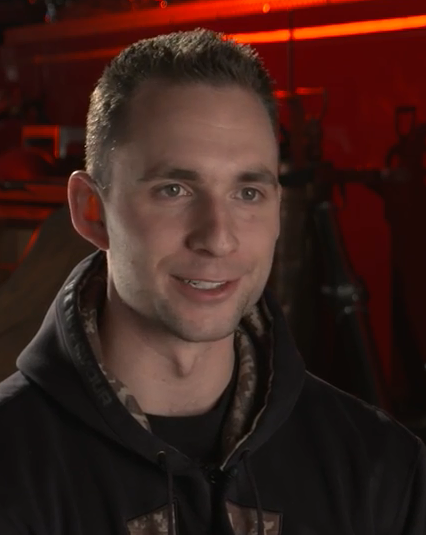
(266, 8)
(163, 4)
(334, 30)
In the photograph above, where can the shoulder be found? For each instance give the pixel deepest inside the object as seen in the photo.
(14, 391)
(366, 454)
(24, 414)
(351, 421)
(27, 460)
(19, 427)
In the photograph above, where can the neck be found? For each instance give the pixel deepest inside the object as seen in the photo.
(166, 376)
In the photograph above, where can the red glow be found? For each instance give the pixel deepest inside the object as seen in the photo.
(271, 36)
(334, 30)
(191, 12)
(30, 244)
(303, 91)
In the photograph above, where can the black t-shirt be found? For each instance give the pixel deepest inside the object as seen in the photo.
(199, 436)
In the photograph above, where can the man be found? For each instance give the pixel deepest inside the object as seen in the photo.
(163, 393)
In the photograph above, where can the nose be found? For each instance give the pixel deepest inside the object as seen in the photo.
(213, 229)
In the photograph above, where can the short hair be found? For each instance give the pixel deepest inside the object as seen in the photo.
(199, 55)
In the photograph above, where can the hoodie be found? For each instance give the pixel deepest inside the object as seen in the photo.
(298, 456)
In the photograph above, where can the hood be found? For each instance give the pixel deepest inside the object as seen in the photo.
(63, 360)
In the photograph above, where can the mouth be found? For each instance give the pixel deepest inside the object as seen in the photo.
(205, 290)
(202, 284)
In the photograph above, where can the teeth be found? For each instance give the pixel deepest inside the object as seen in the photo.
(204, 285)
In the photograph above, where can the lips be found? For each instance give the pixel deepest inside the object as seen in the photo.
(203, 279)
(200, 294)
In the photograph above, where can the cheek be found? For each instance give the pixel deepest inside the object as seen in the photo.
(263, 230)
(140, 235)
(126, 220)
(258, 248)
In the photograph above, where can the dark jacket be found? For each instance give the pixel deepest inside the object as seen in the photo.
(303, 459)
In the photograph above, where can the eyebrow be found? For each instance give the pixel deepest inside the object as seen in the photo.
(258, 175)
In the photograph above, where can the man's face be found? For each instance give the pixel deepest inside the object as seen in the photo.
(194, 196)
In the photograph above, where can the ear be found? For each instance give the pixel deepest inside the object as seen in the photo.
(86, 209)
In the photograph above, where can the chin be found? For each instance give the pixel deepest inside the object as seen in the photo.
(202, 326)
(199, 336)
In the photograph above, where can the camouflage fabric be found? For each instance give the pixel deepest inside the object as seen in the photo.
(255, 326)
(154, 523)
(91, 298)
(244, 521)
(238, 425)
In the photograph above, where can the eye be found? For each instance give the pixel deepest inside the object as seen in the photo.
(170, 190)
(250, 194)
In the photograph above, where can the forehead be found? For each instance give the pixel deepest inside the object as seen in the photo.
(197, 125)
